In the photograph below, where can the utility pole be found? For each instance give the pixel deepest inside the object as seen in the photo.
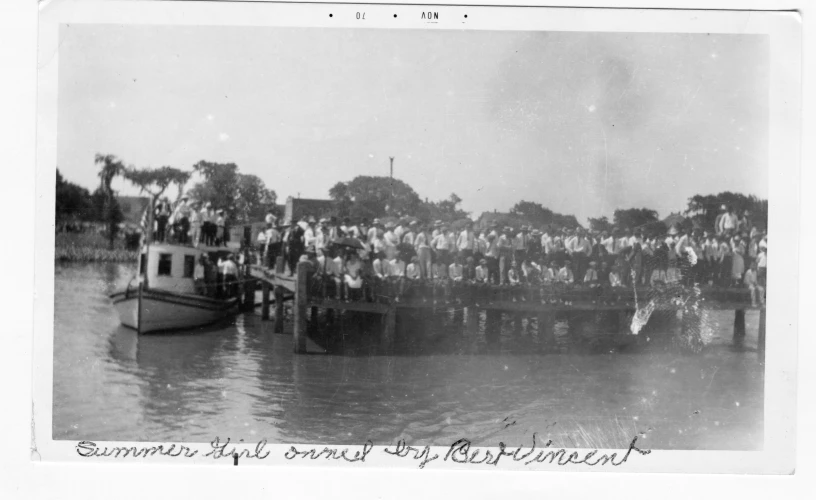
(392, 180)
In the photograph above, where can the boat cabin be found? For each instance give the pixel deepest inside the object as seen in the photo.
(176, 267)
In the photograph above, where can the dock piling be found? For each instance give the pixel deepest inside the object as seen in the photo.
(278, 310)
(265, 301)
(739, 325)
(301, 303)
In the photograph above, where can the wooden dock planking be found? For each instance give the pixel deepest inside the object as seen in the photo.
(582, 300)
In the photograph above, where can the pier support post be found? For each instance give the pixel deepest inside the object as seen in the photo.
(739, 326)
(546, 327)
(249, 293)
(472, 319)
(389, 329)
(278, 310)
(492, 324)
(518, 321)
(761, 337)
(265, 301)
(301, 303)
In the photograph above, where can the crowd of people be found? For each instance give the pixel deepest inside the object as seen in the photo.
(188, 223)
(730, 254)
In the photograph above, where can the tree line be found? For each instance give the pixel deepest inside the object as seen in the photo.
(245, 198)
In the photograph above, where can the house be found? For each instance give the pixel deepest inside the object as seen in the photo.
(299, 207)
(502, 219)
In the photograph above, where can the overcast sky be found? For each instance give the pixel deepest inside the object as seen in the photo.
(581, 122)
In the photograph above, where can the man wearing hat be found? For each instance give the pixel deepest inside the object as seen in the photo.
(207, 227)
(181, 219)
(520, 243)
(295, 245)
(309, 233)
(220, 226)
(372, 231)
(534, 246)
(718, 221)
(466, 243)
(437, 228)
(228, 271)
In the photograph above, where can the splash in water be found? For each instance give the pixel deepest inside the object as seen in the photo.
(680, 294)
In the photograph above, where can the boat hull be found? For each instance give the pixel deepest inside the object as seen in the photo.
(162, 311)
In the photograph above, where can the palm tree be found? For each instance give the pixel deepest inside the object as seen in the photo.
(110, 167)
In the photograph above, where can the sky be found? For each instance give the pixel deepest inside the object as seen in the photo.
(581, 122)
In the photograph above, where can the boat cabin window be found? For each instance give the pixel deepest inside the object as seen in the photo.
(189, 266)
(165, 264)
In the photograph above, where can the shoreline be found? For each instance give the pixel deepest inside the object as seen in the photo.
(88, 248)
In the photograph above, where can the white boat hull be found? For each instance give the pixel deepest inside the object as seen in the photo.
(162, 310)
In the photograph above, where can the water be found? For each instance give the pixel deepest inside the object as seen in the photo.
(242, 381)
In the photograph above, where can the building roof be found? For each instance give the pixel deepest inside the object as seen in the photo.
(306, 206)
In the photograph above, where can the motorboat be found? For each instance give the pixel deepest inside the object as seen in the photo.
(171, 290)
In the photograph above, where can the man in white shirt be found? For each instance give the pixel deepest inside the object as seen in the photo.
(520, 245)
(409, 235)
(309, 235)
(399, 230)
(372, 231)
(466, 242)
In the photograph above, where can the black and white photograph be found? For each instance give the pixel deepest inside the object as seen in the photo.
(428, 231)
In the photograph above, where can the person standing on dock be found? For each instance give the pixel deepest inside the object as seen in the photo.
(520, 245)
(295, 245)
(441, 246)
(273, 246)
(390, 240)
(422, 245)
(466, 242)
(309, 233)
(505, 247)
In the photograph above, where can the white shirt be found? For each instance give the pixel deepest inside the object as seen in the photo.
(466, 240)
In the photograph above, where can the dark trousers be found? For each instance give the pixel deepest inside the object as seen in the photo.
(493, 270)
(271, 257)
(161, 227)
(182, 228)
(293, 256)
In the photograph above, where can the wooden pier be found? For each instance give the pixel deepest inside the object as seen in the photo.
(308, 292)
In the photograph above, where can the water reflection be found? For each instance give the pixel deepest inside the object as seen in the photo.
(446, 379)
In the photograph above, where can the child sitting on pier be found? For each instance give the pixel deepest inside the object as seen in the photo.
(352, 276)
(591, 276)
(481, 272)
(413, 271)
(751, 281)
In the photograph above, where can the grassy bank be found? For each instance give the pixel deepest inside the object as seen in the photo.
(90, 247)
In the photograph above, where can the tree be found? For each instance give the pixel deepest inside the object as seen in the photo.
(73, 202)
(155, 182)
(703, 209)
(634, 218)
(369, 197)
(446, 210)
(253, 199)
(220, 186)
(243, 197)
(600, 224)
(109, 167)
